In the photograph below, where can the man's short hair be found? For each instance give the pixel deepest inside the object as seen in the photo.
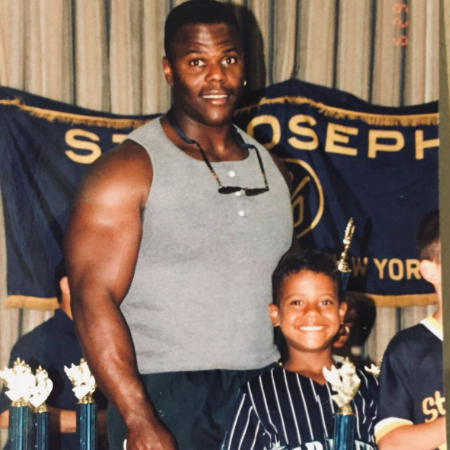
(316, 261)
(197, 12)
(428, 242)
(60, 272)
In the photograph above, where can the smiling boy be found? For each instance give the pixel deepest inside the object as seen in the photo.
(289, 407)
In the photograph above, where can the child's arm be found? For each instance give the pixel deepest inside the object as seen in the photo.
(425, 436)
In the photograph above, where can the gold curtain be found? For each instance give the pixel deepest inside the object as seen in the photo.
(106, 55)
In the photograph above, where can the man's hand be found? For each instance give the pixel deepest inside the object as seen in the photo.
(150, 436)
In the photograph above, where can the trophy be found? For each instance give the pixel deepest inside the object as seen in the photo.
(342, 264)
(84, 387)
(345, 382)
(39, 394)
(20, 382)
(374, 369)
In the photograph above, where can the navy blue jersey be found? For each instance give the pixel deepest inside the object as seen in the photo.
(286, 411)
(411, 378)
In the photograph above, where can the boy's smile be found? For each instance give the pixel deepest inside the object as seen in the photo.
(309, 313)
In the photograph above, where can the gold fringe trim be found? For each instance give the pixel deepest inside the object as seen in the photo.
(395, 301)
(74, 119)
(329, 111)
(26, 302)
(412, 120)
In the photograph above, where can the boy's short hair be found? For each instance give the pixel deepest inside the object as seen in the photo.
(428, 237)
(197, 12)
(313, 260)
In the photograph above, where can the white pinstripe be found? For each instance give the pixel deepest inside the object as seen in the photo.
(235, 420)
(331, 400)
(305, 406)
(320, 407)
(292, 408)
(365, 378)
(246, 427)
(279, 407)
(357, 419)
(256, 435)
(265, 404)
(363, 407)
(254, 407)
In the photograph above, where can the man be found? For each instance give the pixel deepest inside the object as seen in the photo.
(54, 345)
(172, 233)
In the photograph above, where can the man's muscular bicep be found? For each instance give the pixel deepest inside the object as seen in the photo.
(104, 230)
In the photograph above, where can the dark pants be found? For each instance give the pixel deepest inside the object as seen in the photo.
(195, 406)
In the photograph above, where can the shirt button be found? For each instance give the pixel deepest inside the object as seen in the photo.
(241, 213)
(232, 173)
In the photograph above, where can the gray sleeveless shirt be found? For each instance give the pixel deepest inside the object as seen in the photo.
(202, 283)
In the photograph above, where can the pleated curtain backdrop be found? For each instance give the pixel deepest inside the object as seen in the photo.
(106, 55)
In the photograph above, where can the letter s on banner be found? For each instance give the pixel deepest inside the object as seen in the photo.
(303, 131)
(268, 120)
(71, 139)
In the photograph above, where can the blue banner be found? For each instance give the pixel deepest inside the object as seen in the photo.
(347, 158)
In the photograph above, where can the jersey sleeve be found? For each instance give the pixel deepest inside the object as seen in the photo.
(395, 403)
(245, 430)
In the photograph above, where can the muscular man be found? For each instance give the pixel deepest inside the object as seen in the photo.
(171, 245)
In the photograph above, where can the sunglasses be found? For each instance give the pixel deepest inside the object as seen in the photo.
(249, 192)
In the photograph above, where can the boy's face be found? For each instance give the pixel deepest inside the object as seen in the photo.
(309, 313)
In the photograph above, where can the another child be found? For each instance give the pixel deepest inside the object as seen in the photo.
(411, 402)
(289, 407)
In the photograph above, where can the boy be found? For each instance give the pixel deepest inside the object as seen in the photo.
(289, 407)
(411, 402)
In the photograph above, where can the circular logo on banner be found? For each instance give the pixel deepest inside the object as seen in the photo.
(307, 199)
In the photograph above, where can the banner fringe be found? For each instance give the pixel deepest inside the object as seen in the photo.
(395, 301)
(412, 120)
(26, 302)
(329, 111)
(74, 119)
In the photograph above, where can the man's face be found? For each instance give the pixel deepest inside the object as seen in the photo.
(206, 72)
(309, 313)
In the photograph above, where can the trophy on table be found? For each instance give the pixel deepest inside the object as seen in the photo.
(84, 387)
(345, 382)
(39, 395)
(19, 380)
(28, 428)
(343, 264)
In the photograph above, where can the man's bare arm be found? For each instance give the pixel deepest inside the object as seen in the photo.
(425, 436)
(101, 248)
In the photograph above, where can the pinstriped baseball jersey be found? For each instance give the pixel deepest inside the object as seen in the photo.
(282, 410)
